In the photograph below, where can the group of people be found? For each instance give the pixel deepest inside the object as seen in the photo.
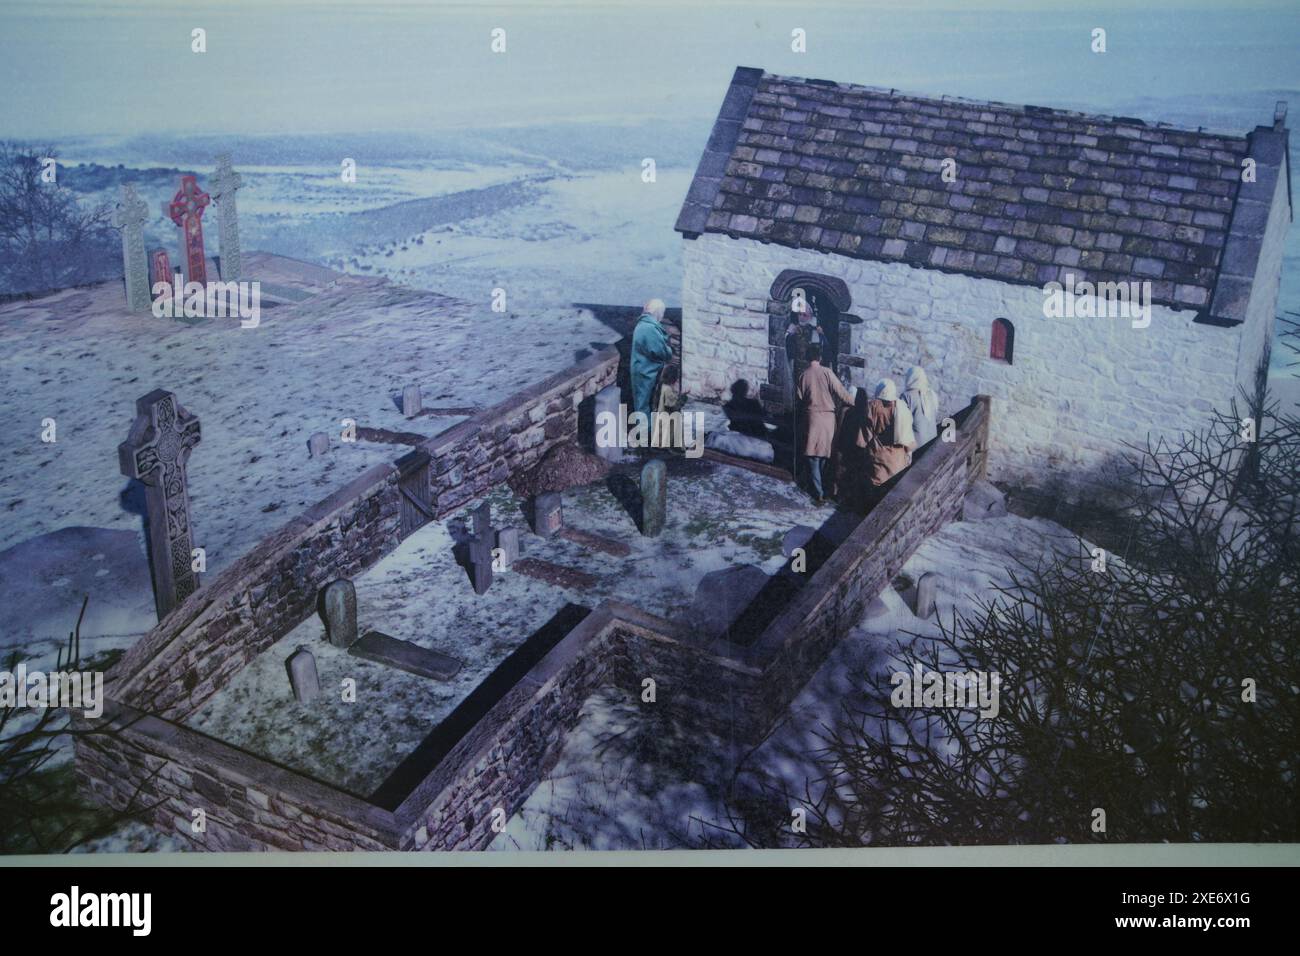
(854, 444)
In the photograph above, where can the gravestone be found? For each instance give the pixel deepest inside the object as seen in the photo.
(480, 558)
(654, 497)
(721, 597)
(130, 216)
(303, 679)
(186, 210)
(925, 594)
(160, 270)
(607, 402)
(480, 548)
(984, 500)
(156, 452)
(797, 537)
(412, 403)
(508, 545)
(340, 613)
(318, 444)
(548, 514)
(225, 183)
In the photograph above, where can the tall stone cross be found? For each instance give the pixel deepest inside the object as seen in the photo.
(186, 210)
(225, 183)
(155, 452)
(130, 215)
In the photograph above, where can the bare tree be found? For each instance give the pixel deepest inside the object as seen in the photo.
(40, 811)
(48, 240)
(1162, 690)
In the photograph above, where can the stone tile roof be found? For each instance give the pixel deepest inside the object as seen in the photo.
(1037, 194)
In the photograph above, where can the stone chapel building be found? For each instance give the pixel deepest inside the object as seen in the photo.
(840, 191)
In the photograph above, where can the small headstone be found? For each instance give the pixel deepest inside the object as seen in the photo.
(160, 269)
(508, 545)
(797, 537)
(303, 679)
(983, 500)
(156, 453)
(548, 514)
(877, 608)
(340, 612)
(721, 597)
(925, 594)
(607, 402)
(654, 497)
(480, 557)
(318, 444)
(412, 403)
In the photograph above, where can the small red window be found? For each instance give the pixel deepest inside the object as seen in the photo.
(1003, 342)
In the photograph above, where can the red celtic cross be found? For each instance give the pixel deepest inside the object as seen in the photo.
(186, 210)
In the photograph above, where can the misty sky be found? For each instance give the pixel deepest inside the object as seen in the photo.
(72, 68)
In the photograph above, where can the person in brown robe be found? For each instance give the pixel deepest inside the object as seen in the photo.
(887, 437)
(817, 393)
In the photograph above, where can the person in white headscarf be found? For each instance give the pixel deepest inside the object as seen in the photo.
(923, 403)
(887, 434)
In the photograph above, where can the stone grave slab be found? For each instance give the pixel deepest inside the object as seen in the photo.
(595, 542)
(556, 574)
(405, 656)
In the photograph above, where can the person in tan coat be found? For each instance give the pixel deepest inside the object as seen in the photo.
(817, 392)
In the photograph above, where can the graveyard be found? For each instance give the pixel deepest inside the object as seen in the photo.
(462, 570)
(719, 517)
(332, 347)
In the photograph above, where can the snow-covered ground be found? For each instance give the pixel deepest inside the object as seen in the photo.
(612, 222)
(627, 781)
(718, 516)
(78, 358)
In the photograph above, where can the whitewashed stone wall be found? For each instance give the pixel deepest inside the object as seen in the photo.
(1261, 313)
(1078, 387)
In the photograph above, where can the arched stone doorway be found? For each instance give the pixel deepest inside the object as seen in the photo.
(830, 301)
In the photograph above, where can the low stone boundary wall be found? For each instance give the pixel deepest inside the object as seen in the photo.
(484, 761)
(927, 496)
(206, 640)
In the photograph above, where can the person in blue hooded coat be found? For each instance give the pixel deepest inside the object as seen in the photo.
(650, 353)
